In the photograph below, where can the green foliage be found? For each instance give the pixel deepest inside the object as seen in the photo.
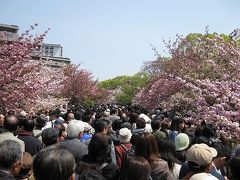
(113, 83)
(127, 86)
(194, 37)
(88, 103)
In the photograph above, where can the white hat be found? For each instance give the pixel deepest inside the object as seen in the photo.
(125, 135)
(23, 113)
(148, 128)
(145, 117)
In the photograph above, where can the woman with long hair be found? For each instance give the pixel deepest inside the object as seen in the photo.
(146, 147)
(137, 168)
(99, 152)
(167, 150)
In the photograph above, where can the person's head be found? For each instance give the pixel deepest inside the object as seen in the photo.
(179, 124)
(78, 115)
(125, 135)
(223, 154)
(166, 123)
(182, 142)
(146, 147)
(100, 126)
(10, 123)
(133, 117)
(114, 111)
(167, 151)
(10, 156)
(235, 151)
(109, 126)
(70, 117)
(200, 139)
(200, 157)
(62, 131)
(75, 129)
(116, 125)
(235, 166)
(141, 123)
(50, 136)
(87, 171)
(99, 148)
(137, 168)
(40, 121)
(99, 115)
(145, 111)
(155, 125)
(54, 163)
(54, 114)
(126, 125)
(198, 131)
(28, 125)
(158, 135)
(26, 167)
(208, 131)
(106, 113)
(87, 117)
(1, 119)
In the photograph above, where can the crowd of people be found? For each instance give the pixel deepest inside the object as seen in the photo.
(112, 142)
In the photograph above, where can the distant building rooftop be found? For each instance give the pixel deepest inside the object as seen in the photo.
(9, 28)
(10, 32)
(48, 44)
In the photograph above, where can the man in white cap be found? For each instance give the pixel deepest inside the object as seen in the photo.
(199, 158)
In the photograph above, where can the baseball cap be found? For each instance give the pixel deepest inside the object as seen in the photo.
(200, 155)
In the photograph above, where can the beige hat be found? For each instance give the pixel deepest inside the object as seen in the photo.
(201, 154)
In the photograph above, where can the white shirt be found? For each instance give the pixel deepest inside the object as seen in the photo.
(50, 124)
(176, 170)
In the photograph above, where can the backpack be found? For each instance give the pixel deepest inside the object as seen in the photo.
(130, 153)
(120, 152)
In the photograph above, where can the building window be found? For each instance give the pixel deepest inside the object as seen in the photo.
(46, 47)
(51, 47)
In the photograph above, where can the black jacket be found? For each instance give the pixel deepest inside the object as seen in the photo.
(32, 145)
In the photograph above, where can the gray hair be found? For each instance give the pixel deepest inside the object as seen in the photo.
(74, 128)
(10, 153)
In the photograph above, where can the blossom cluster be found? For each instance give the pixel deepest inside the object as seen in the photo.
(201, 80)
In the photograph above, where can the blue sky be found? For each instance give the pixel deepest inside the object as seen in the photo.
(112, 38)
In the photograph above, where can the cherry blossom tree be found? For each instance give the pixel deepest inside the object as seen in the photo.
(201, 80)
(22, 79)
(79, 87)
